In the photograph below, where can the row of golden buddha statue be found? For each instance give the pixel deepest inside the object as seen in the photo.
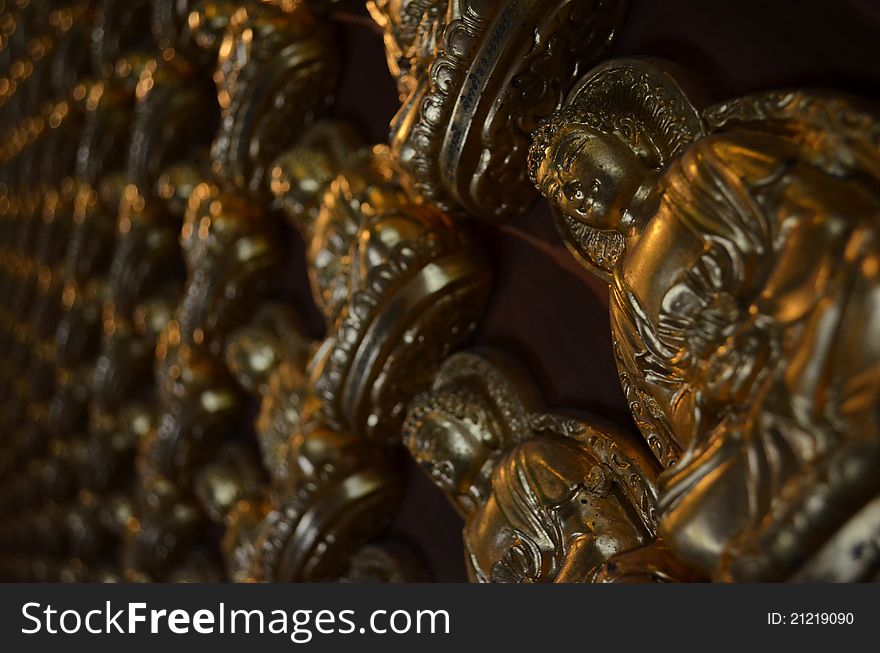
(156, 187)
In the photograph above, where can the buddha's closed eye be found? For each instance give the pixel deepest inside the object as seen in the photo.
(574, 192)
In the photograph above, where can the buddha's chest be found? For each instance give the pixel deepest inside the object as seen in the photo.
(657, 268)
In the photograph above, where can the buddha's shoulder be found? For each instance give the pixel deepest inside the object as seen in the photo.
(746, 152)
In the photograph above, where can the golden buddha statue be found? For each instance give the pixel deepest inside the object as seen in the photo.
(741, 246)
(276, 73)
(401, 285)
(398, 284)
(474, 78)
(329, 491)
(546, 497)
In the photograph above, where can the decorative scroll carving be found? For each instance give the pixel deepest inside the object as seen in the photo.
(740, 311)
(275, 75)
(475, 77)
(335, 484)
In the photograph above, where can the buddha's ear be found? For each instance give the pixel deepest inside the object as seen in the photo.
(650, 154)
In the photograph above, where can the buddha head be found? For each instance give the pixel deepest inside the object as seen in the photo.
(452, 436)
(478, 406)
(593, 167)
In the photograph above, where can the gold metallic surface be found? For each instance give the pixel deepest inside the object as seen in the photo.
(230, 323)
(744, 277)
(327, 425)
(474, 79)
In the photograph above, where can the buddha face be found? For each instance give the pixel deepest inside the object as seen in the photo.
(591, 176)
(453, 451)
